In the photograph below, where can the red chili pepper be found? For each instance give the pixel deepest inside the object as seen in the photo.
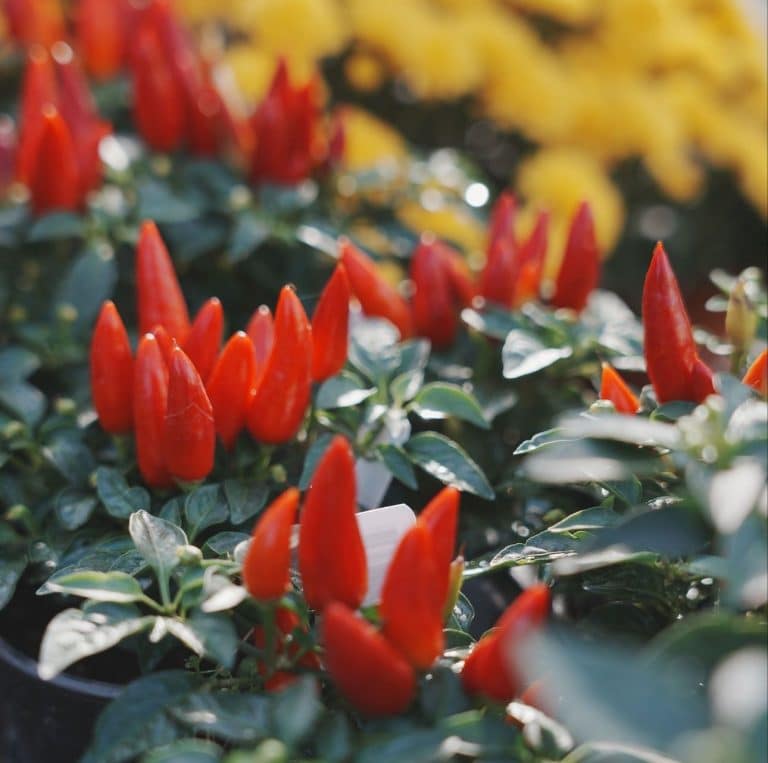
(757, 374)
(440, 516)
(615, 389)
(286, 377)
(261, 331)
(189, 433)
(39, 90)
(150, 400)
(671, 359)
(158, 102)
(412, 599)
(204, 340)
(580, 269)
(331, 553)
(230, 385)
(8, 152)
(101, 31)
(489, 670)
(266, 565)
(330, 327)
(376, 296)
(502, 264)
(54, 182)
(160, 299)
(433, 304)
(532, 256)
(367, 670)
(35, 21)
(166, 343)
(111, 365)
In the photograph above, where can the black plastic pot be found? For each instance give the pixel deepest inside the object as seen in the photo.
(45, 721)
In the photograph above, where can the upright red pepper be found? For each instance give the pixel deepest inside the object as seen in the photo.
(8, 152)
(502, 263)
(671, 359)
(376, 296)
(166, 343)
(367, 670)
(230, 385)
(204, 340)
(580, 269)
(54, 182)
(489, 670)
(412, 600)
(35, 21)
(532, 255)
(280, 402)
(189, 433)
(440, 516)
(331, 553)
(160, 300)
(158, 102)
(330, 327)
(266, 565)
(261, 331)
(615, 389)
(150, 400)
(111, 365)
(757, 374)
(101, 31)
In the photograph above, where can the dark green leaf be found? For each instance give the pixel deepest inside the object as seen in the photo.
(246, 498)
(396, 460)
(232, 717)
(438, 400)
(248, 234)
(224, 543)
(185, 751)
(156, 201)
(118, 498)
(56, 225)
(523, 354)
(333, 738)
(312, 459)
(74, 508)
(17, 364)
(11, 569)
(343, 391)
(204, 507)
(295, 710)
(587, 519)
(157, 541)
(448, 463)
(218, 636)
(23, 400)
(71, 458)
(99, 586)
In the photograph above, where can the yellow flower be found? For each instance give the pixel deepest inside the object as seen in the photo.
(447, 221)
(369, 141)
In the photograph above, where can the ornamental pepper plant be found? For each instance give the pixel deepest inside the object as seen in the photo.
(310, 457)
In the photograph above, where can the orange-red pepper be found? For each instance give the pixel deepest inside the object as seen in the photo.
(189, 433)
(440, 516)
(150, 400)
(615, 389)
(366, 669)
(579, 271)
(532, 255)
(502, 264)
(35, 21)
(266, 565)
(330, 327)
(101, 31)
(412, 599)
(490, 670)
(111, 366)
(671, 358)
(160, 299)
(757, 374)
(230, 385)
(282, 395)
(375, 295)
(204, 340)
(331, 553)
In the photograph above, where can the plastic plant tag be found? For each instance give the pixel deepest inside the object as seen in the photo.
(373, 480)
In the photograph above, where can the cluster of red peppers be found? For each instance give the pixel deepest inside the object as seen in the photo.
(672, 361)
(373, 668)
(182, 389)
(512, 276)
(57, 156)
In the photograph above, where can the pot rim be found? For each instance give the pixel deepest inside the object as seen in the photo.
(28, 666)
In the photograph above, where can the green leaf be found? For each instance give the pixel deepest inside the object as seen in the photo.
(246, 498)
(74, 508)
(343, 391)
(415, 746)
(185, 751)
(73, 460)
(139, 719)
(11, 569)
(333, 738)
(89, 281)
(439, 399)
(24, 401)
(588, 519)
(540, 440)
(56, 225)
(248, 233)
(405, 386)
(74, 634)
(99, 586)
(523, 354)
(118, 498)
(609, 752)
(208, 635)
(157, 541)
(17, 364)
(515, 555)
(204, 507)
(396, 460)
(224, 543)
(232, 717)
(448, 463)
(295, 710)
(156, 201)
(312, 459)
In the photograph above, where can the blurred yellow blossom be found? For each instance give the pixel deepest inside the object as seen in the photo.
(369, 141)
